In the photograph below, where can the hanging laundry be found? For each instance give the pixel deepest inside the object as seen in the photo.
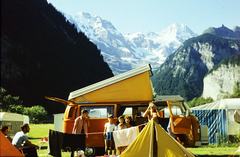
(55, 143)
(125, 137)
(59, 140)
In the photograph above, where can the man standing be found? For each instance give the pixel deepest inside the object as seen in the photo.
(82, 123)
(21, 136)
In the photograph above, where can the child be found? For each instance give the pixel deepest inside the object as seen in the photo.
(128, 121)
(121, 121)
(120, 149)
(108, 134)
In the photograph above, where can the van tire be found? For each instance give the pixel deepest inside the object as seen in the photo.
(97, 151)
(90, 152)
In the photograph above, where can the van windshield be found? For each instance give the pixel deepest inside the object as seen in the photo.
(99, 111)
(177, 109)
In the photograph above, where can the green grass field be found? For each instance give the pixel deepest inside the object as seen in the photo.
(38, 131)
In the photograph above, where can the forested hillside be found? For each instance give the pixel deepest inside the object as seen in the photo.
(233, 60)
(182, 73)
(43, 55)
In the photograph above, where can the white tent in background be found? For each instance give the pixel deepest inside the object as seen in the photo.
(219, 116)
(13, 120)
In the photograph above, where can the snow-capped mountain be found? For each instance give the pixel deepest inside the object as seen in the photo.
(126, 52)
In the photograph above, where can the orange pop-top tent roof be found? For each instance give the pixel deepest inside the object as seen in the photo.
(130, 87)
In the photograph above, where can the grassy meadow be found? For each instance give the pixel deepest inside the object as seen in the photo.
(38, 131)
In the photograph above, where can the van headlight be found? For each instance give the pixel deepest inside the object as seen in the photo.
(198, 130)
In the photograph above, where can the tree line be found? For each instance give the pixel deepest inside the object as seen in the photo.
(37, 114)
(201, 101)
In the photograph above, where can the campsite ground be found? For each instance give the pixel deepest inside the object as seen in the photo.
(38, 131)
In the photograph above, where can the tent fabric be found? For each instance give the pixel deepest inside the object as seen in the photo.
(7, 149)
(125, 88)
(215, 120)
(108, 156)
(142, 145)
(166, 145)
(221, 104)
(218, 117)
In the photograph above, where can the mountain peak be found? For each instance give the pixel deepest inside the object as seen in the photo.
(223, 32)
(125, 52)
(97, 17)
(84, 14)
(176, 26)
(236, 29)
(180, 31)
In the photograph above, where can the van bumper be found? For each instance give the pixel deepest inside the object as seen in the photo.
(201, 143)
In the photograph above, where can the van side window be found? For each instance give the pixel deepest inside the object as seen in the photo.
(99, 111)
(76, 113)
(128, 111)
(71, 110)
(177, 109)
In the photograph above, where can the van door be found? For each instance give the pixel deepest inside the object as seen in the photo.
(98, 117)
(180, 119)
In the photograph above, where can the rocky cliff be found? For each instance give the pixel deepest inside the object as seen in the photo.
(182, 73)
(221, 81)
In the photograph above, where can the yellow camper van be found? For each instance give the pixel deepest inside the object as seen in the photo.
(130, 93)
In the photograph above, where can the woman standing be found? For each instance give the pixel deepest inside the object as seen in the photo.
(152, 112)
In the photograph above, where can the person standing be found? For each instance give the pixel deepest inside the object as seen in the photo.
(108, 134)
(21, 136)
(152, 112)
(82, 123)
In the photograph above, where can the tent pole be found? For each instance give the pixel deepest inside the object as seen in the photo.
(155, 148)
(227, 122)
(151, 140)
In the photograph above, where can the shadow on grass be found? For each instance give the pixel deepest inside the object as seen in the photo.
(34, 138)
(44, 147)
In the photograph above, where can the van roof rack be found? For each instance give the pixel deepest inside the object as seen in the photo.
(163, 98)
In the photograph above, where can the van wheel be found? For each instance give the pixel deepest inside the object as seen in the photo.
(90, 152)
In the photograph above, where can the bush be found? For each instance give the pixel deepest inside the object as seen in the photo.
(199, 101)
(37, 114)
(10, 103)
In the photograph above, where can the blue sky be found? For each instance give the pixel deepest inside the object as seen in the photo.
(131, 16)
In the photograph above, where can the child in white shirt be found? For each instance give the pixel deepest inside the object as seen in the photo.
(108, 134)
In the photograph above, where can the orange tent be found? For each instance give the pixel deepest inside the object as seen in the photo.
(7, 149)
